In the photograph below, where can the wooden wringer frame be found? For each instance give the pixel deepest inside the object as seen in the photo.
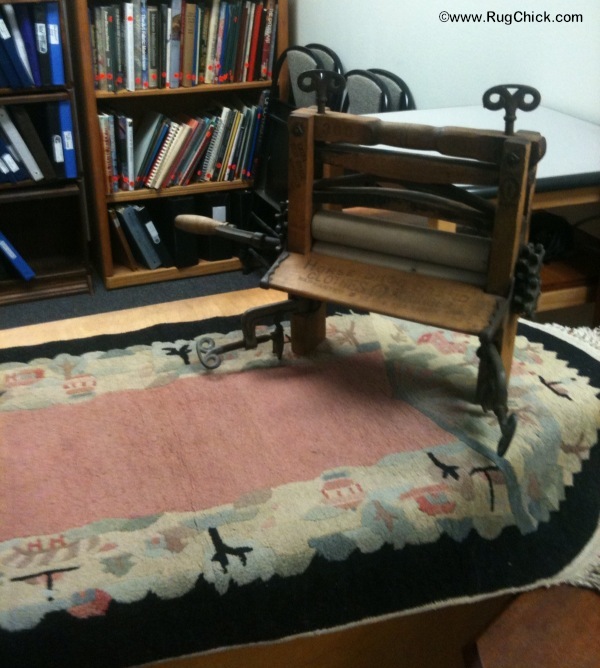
(428, 224)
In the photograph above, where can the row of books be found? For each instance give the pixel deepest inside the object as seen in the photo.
(36, 142)
(31, 46)
(151, 44)
(161, 151)
(145, 236)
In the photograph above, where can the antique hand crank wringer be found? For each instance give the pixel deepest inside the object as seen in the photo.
(477, 278)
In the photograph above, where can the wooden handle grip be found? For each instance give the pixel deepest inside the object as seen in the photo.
(198, 224)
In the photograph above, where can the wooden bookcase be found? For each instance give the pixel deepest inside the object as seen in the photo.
(46, 220)
(168, 101)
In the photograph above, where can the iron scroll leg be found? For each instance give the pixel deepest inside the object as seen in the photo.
(210, 354)
(492, 391)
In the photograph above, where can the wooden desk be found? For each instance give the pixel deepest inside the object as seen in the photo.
(568, 176)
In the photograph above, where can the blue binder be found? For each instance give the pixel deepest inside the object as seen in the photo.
(15, 259)
(25, 21)
(68, 138)
(55, 47)
(12, 65)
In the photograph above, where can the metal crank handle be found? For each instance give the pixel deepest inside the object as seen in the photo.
(209, 227)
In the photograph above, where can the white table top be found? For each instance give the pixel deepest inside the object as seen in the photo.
(573, 146)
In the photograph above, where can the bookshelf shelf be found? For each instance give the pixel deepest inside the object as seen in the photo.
(133, 103)
(202, 89)
(123, 277)
(174, 191)
(43, 210)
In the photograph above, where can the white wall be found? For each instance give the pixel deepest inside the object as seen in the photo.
(452, 64)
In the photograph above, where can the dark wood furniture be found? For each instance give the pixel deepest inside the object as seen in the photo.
(46, 220)
(546, 628)
(170, 101)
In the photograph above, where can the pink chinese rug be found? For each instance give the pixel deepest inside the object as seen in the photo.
(270, 498)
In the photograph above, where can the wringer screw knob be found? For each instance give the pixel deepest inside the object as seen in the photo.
(524, 98)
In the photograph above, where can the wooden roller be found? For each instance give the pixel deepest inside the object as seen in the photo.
(400, 263)
(393, 238)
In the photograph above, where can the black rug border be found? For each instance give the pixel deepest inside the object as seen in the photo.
(326, 596)
(329, 594)
(146, 336)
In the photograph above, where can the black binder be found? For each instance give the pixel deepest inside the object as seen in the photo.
(154, 236)
(182, 245)
(141, 246)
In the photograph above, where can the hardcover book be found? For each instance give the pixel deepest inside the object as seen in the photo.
(174, 72)
(188, 74)
(143, 138)
(128, 45)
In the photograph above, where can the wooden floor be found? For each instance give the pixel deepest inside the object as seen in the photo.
(432, 639)
(186, 310)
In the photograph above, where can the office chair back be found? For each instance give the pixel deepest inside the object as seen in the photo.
(366, 93)
(401, 98)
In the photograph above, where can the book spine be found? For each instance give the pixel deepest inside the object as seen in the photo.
(100, 49)
(128, 45)
(223, 8)
(205, 9)
(255, 41)
(213, 27)
(197, 48)
(248, 40)
(119, 46)
(273, 49)
(107, 150)
(266, 44)
(174, 72)
(153, 45)
(130, 171)
(144, 42)
(137, 41)
(152, 179)
(188, 78)
(165, 44)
